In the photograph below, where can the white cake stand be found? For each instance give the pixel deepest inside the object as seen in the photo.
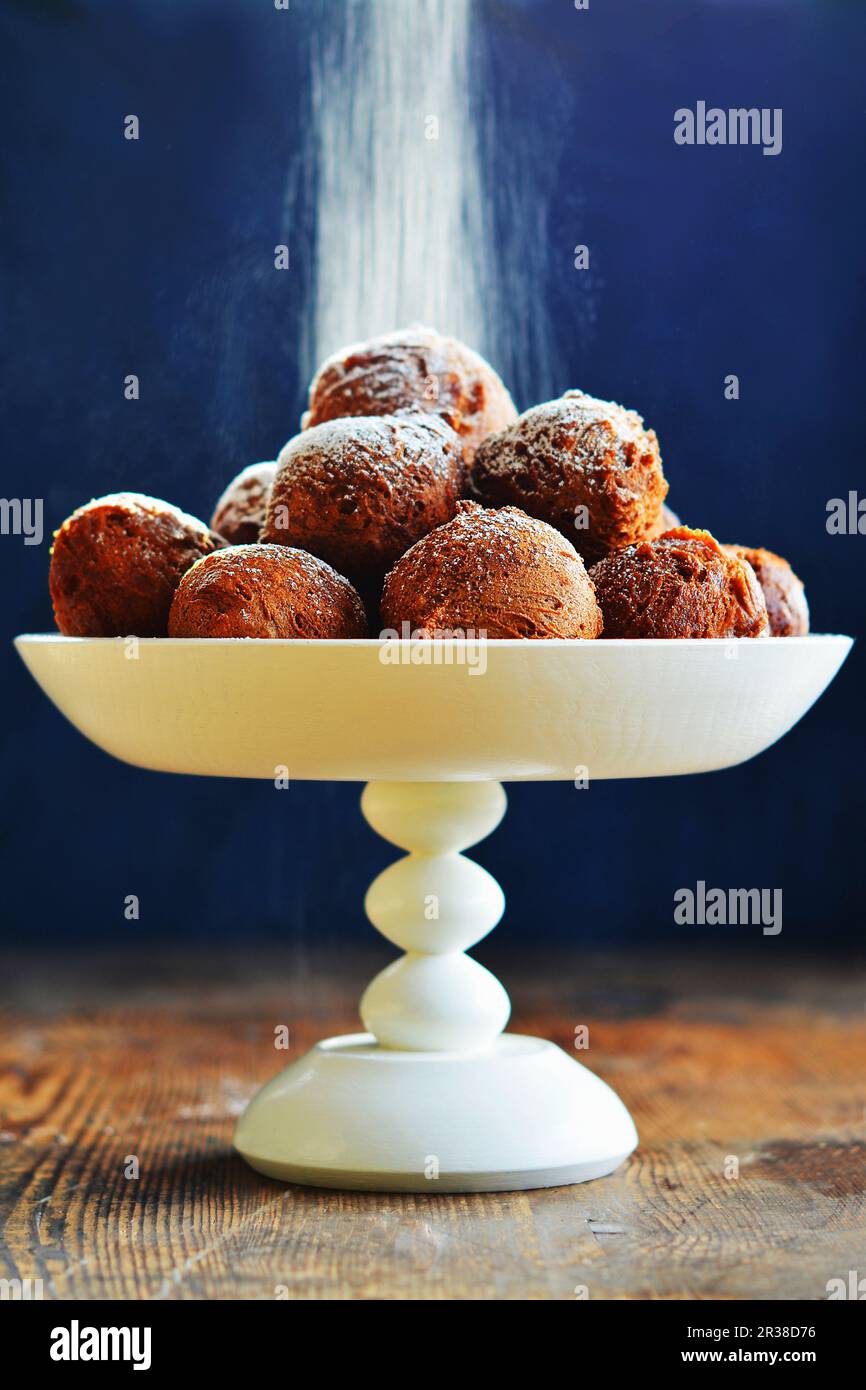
(434, 1096)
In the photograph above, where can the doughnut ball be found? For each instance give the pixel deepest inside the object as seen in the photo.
(265, 591)
(359, 492)
(116, 563)
(240, 512)
(588, 467)
(786, 598)
(682, 585)
(418, 368)
(493, 573)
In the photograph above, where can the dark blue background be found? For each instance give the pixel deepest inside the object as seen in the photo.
(156, 258)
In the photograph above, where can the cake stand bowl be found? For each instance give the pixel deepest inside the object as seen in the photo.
(434, 1096)
(406, 711)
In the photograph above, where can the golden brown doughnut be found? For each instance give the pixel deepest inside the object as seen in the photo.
(116, 562)
(494, 573)
(682, 585)
(786, 598)
(415, 367)
(265, 591)
(586, 466)
(358, 492)
(240, 512)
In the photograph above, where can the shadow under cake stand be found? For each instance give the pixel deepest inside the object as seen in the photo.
(434, 1096)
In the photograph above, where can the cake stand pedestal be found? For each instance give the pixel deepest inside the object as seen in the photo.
(434, 1096)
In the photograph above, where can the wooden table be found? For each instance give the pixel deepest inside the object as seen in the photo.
(747, 1079)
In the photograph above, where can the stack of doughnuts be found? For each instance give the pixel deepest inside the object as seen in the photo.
(417, 501)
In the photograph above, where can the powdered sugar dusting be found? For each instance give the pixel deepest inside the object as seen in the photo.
(402, 228)
(594, 434)
(381, 445)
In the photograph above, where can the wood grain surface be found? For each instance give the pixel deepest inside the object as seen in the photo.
(747, 1080)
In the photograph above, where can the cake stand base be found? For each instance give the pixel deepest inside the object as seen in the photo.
(519, 1114)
